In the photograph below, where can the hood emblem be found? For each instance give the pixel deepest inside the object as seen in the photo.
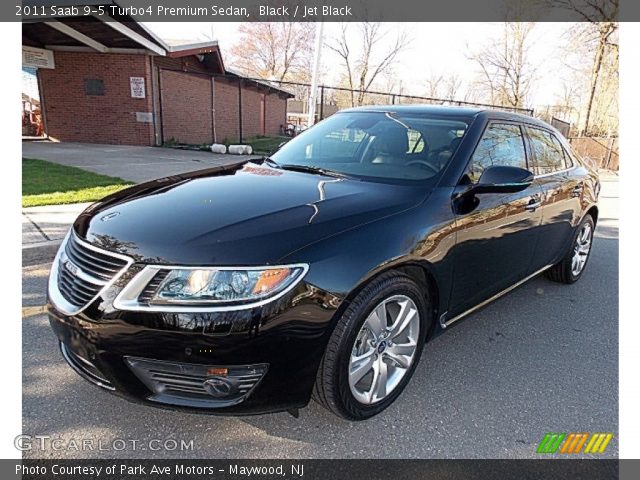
(109, 216)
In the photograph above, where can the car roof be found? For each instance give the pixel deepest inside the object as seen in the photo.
(453, 111)
(419, 109)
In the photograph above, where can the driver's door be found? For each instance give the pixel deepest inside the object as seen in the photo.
(496, 233)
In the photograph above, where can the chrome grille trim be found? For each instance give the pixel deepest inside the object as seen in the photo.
(94, 270)
(97, 265)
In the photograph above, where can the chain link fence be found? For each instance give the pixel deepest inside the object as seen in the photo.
(602, 151)
(330, 99)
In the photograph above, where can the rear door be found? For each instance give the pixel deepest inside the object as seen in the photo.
(497, 233)
(551, 168)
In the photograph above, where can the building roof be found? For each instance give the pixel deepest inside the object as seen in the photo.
(120, 34)
(262, 84)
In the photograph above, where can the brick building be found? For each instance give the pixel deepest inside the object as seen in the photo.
(113, 81)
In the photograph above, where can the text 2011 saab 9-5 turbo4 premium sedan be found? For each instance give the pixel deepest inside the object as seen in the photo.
(321, 271)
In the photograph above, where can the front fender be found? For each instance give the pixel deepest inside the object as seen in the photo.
(423, 235)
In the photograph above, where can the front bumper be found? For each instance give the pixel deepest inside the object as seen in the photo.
(279, 345)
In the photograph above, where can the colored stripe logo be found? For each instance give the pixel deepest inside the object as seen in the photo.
(574, 442)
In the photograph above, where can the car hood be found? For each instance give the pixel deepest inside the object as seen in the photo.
(245, 214)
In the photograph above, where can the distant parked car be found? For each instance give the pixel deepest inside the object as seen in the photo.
(322, 270)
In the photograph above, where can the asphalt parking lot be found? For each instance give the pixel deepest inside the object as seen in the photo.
(542, 359)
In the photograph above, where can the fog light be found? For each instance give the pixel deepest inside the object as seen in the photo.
(196, 385)
(220, 387)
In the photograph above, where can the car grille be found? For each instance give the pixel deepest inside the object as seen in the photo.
(85, 368)
(184, 383)
(84, 270)
(97, 263)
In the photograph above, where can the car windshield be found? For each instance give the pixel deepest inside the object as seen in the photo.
(376, 145)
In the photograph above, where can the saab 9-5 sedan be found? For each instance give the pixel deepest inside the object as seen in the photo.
(321, 271)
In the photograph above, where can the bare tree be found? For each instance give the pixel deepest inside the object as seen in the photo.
(434, 85)
(453, 87)
(506, 73)
(568, 102)
(278, 51)
(210, 35)
(604, 46)
(391, 82)
(365, 65)
(446, 87)
(593, 11)
(599, 33)
(590, 77)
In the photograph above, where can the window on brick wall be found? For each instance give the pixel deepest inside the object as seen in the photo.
(94, 87)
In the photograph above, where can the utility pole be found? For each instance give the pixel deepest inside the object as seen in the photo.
(314, 79)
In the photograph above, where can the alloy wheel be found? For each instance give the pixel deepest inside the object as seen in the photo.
(384, 349)
(581, 249)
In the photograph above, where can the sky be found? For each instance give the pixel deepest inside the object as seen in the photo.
(435, 48)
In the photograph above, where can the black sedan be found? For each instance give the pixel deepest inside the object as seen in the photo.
(320, 271)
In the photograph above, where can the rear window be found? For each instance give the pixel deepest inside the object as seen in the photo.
(548, 152)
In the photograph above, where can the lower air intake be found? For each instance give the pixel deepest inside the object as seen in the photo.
(195, 385)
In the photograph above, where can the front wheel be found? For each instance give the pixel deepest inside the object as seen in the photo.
(374, 348)
(572, 266)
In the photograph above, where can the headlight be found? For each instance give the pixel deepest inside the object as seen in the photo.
(195, 289)
(223, 286)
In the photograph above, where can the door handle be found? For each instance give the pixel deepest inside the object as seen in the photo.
(577, 190)
(534, 203)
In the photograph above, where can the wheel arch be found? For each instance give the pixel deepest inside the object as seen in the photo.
(420, 271)
(593, 211)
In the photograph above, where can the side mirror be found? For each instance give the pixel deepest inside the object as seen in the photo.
(503, 179)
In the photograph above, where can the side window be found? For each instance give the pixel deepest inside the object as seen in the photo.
(502, 144)
(568, 159)
(549, 154)
(565, 156)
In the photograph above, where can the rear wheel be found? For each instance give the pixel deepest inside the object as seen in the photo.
(572, 266)
(374, 348)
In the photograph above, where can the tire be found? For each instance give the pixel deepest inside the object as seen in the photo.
(565, 271)
(333, 389)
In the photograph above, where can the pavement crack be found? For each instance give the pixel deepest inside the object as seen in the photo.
(37, 227)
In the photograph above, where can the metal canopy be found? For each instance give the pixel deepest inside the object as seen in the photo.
(99, 33)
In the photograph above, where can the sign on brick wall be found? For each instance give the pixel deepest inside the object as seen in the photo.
(144, 117)
(37, 58)
(137, 87)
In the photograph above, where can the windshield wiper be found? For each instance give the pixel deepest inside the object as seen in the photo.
(313, 169)
(268, 160)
